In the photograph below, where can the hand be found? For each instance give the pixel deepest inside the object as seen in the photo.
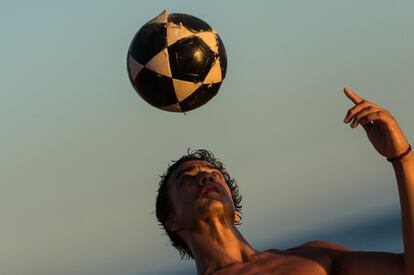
(381, 127)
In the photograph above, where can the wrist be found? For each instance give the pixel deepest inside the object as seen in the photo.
(400, 157)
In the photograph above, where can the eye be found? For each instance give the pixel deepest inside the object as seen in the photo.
(185, 178)
(216, 174)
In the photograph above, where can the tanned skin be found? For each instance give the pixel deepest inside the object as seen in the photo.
(204, 215)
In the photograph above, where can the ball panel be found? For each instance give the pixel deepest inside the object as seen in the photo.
(162, 18)
(160, 63)
(184, 89)
(190, 59)
(133, 68)
(154, 88)
(176, 32)
(214, 76)
(172, 108)
(149, 41)
(222, 56)
(200, 97)
(190, 22)
(210, 39)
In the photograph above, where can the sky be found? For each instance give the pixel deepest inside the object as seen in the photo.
(81, 152)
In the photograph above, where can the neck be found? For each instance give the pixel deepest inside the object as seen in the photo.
(216, 245)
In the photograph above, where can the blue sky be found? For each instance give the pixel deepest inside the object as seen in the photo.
(82, 152)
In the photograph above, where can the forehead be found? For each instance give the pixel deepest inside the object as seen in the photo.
(191, 164)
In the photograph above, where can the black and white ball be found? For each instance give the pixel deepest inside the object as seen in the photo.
(176, 62)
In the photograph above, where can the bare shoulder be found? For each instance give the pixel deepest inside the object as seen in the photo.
(324, 245)
(321, 252)
(345, 261)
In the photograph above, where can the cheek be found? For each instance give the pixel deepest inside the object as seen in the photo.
(227, 188)
(182, 199)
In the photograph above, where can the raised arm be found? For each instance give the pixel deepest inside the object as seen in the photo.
(404, 171)
(388, 140)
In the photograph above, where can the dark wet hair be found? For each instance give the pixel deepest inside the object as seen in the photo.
(163, 206)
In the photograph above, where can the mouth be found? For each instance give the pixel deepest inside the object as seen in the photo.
(210, 188)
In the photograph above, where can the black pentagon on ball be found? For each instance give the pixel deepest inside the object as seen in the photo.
(190, 59)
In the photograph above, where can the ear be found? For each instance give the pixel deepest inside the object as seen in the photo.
(171, 223)
(237, 218)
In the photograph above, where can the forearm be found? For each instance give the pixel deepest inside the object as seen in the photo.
(404, 171)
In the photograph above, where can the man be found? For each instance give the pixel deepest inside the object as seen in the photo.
(197, 205)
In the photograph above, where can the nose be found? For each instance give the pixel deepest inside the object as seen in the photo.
(206, 178)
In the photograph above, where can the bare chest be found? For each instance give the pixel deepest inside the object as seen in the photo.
(270, 263)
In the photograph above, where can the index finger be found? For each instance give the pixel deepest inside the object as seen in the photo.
(352, 95)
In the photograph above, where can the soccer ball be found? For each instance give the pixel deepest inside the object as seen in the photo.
(176, 62)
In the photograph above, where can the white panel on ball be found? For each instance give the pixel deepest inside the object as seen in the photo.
(162, 18)
(214, 75)
(134, 67)
(210, 39)
(160, 63)
(176, 32)
(171, 108)
(184, 89)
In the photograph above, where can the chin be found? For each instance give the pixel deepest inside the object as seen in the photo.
(214, 207)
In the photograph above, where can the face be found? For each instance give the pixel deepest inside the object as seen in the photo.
(198, 191)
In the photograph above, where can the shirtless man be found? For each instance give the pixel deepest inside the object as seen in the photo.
(198, 205)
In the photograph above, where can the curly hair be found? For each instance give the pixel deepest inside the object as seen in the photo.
(163, 203)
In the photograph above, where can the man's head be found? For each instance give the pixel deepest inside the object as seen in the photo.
(194, 187)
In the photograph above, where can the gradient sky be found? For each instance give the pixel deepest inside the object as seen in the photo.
(81, 152)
